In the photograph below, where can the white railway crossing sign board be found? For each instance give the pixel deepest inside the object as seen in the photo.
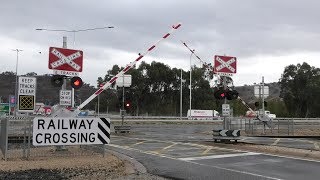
(225, 65)
(70, 131)
(124, 81)
(61, 59)
(258, 91)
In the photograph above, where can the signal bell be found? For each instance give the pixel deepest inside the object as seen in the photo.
(232, 94)
(57, 80)
(76, 82)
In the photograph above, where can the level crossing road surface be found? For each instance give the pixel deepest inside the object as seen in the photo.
(298, 143)
(175, 151)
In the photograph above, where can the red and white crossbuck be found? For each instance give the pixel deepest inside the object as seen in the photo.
(225, 65)
(65, 59)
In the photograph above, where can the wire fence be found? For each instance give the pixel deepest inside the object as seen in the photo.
(16, 142)
(279, 126)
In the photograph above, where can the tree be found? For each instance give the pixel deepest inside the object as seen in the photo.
(31, 74)
(299, 86)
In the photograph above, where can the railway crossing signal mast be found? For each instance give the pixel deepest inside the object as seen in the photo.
(224, 93)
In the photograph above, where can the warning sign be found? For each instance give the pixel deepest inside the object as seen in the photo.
(26, 94)
(65, 97)
(70, 131)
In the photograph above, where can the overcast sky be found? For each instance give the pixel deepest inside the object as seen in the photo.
(264, 35)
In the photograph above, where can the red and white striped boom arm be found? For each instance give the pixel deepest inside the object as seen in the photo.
(192, 51)
(127, 68)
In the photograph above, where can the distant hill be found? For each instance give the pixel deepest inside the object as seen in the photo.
(246, 92)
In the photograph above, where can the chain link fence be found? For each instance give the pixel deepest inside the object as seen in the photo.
(16, 142)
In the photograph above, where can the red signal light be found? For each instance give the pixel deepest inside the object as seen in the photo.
(127, 104)
(219, 94)
(76, 82)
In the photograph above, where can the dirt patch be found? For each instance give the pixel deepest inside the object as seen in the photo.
(78, 167)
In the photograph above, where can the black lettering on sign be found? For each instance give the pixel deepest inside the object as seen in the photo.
(92, 137)
(84, 137)
(56, 137)
(89, 123)
(37, 138)
(73, 124)
(51, 124)
(82, 124)
(64, 138)
(74, 139)
(40, 123)
(47, 136)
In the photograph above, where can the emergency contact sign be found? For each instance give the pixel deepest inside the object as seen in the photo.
(70, 131)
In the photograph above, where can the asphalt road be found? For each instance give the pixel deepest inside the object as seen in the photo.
(298, 143)
(174, 151)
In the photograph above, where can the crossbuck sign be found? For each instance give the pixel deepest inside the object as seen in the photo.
(65, 59)
(225, 65)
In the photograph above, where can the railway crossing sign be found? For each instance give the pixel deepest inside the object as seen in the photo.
(65, 61)
(27, 94)
(70, 131)
(225, 65)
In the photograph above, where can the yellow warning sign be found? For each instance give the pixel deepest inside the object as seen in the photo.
(26, 103)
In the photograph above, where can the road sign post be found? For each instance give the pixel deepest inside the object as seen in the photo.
(68, 62)
(123, 81)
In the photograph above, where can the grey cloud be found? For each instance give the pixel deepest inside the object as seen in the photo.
(245, 28)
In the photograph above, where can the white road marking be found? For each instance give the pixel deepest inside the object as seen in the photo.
(219, 148)
(169, 146)
(237, 171)
(275, 142)
(206, 151)
(219, 156)
(137, 143)
(192, 162)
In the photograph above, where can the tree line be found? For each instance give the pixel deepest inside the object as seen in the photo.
(155, 90)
